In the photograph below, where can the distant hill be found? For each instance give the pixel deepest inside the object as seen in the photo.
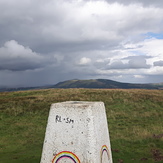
(91, 83)
(105, 83)
(8, 89)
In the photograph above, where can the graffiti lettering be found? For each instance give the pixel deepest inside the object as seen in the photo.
(58, 119)
(61, 119)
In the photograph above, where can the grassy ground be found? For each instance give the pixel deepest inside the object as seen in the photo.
(135, 119)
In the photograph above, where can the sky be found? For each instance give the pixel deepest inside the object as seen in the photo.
(43, 42)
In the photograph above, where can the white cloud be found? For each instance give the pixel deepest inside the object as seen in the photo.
(153, 47)
(16, 57)
(155, 71)
(84, 61)
(139, 76)
(13, 49)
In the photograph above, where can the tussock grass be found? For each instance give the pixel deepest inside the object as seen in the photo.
(135, 120)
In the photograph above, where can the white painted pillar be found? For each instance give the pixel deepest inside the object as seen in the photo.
(77, 132)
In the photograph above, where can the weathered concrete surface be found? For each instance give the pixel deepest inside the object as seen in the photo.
(77, 132)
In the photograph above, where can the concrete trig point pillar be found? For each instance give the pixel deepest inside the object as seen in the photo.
(77, 132)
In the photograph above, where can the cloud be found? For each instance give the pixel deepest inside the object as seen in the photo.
(101, 63)
(138, 62)
(66, 39)
(84, 61)
(150, 50)
(16, 57)
(139, 76)
(157, 3)
(53, 24)
(130, 62)
(158, 63)
(118, 65)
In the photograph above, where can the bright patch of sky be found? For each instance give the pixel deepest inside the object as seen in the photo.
(150, 35)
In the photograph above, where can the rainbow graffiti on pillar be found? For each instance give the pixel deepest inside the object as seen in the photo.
(104, 149)
(65, 155)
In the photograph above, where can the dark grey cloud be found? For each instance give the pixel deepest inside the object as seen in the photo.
(101, 64)
(158, 63)
(138, 62)
(118, 65)
(133, 62)
(49, 26)
(157, 3)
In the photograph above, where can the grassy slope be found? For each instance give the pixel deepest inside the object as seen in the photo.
(135, 119)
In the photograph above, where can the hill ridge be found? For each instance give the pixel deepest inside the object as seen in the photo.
(104, 83)
(90, 83)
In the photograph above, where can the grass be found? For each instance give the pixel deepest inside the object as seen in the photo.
(135, 119)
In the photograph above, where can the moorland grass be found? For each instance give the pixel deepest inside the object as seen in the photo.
(135, 120)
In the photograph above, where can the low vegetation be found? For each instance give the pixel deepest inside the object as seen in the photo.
(135, 120)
